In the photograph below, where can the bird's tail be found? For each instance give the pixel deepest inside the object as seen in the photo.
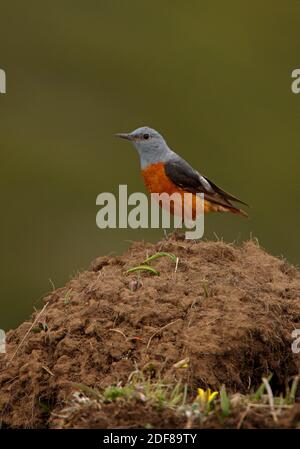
(213, 206)
(237, 211)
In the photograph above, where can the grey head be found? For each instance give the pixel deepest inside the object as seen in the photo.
(151, 145)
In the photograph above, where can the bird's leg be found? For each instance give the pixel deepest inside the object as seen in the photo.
(166, 236)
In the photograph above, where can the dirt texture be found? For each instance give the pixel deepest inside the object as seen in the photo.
(230, 309)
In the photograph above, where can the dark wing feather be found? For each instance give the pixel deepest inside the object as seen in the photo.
(185, 177)
(225, 194)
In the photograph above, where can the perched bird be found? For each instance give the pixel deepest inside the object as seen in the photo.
(165, 171)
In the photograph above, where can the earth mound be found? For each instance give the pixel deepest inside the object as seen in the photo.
(229, 310)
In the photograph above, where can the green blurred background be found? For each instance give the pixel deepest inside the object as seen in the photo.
(213, 77)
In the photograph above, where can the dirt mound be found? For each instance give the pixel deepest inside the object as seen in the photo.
(230, 310)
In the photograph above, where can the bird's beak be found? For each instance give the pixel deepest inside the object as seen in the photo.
(124, 136)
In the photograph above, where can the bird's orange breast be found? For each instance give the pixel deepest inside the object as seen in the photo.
(157, 181)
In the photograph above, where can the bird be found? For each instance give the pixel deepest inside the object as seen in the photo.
(164, 171)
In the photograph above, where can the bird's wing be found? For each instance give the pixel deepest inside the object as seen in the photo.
(185, 177)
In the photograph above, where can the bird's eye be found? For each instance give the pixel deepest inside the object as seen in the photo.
(146, 136)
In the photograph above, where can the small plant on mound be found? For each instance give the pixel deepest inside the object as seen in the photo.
(114, 392)
(205, 398)
(145, 264)
(142, 388)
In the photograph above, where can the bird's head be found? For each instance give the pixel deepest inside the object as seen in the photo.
(150, 145)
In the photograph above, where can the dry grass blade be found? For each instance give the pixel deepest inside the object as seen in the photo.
(243, 416)
(270, 397)
(160, 330)
(176, 265)
(27, 333)
(182, 363)
(118, 331)
(47, 370)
